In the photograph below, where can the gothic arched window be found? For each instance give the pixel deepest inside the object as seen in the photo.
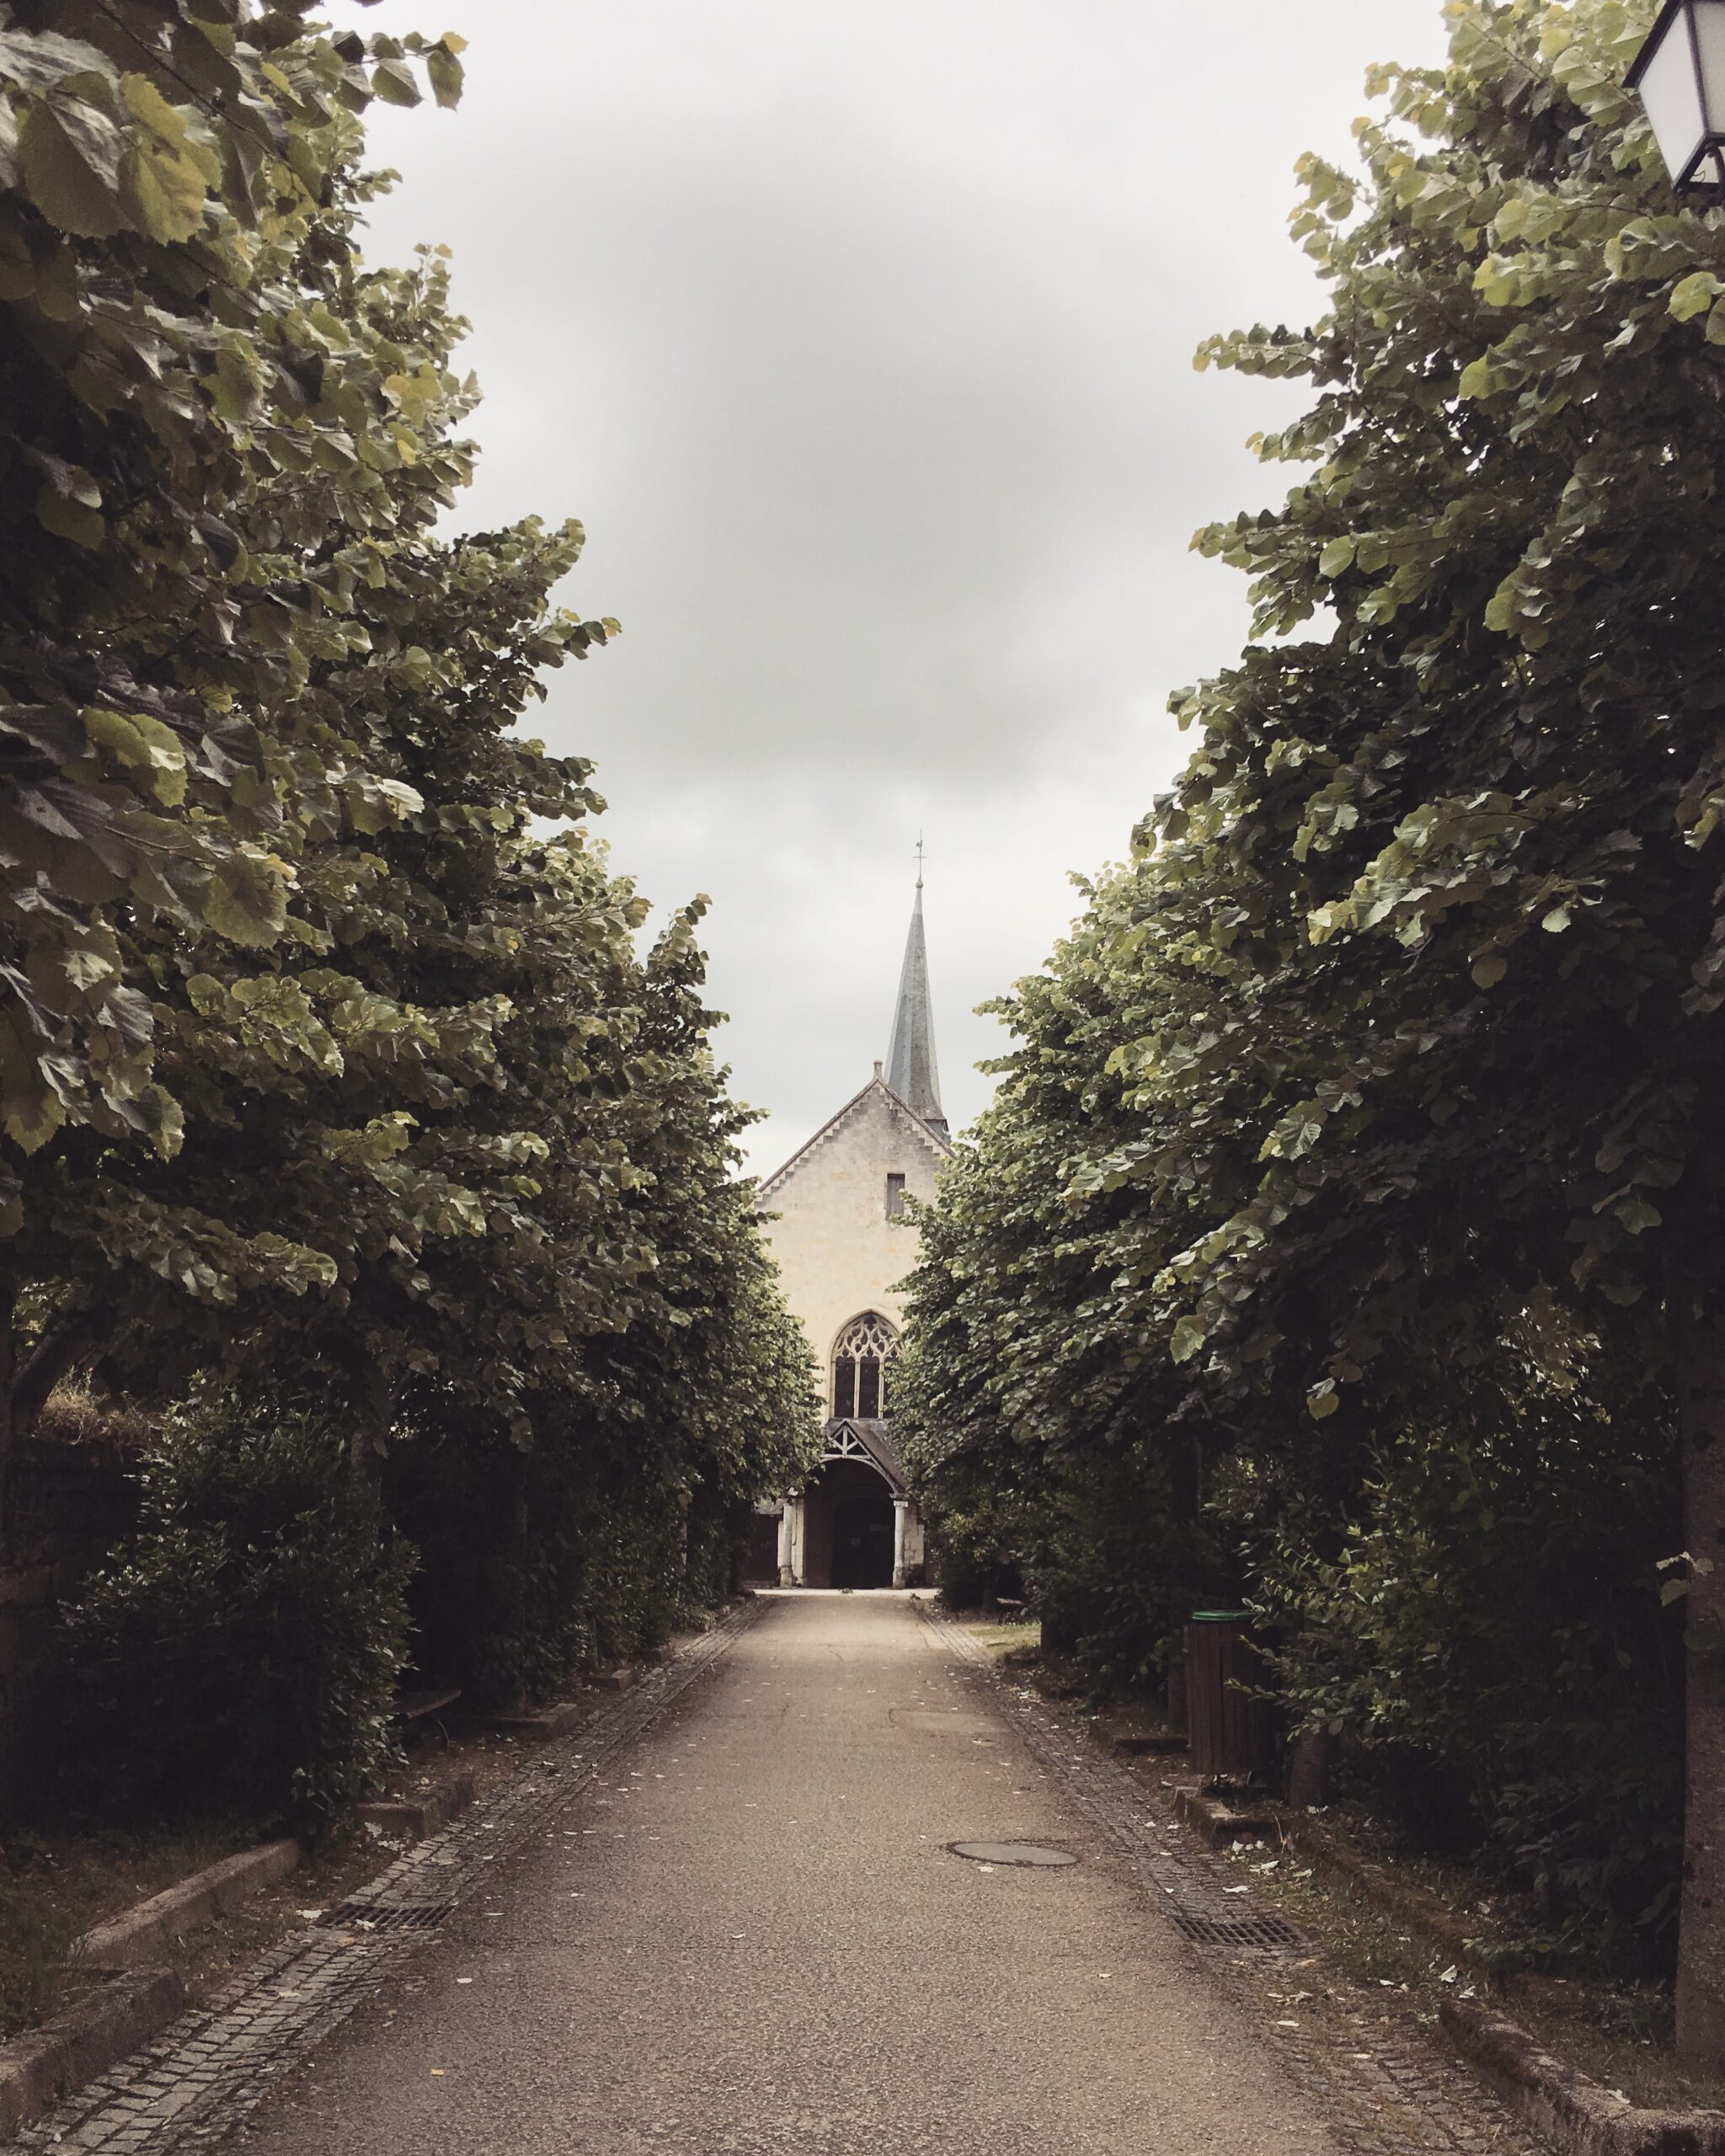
(859, 1360)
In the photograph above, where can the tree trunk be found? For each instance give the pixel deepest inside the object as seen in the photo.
(26, 1382)
(1310, 1759)
(1700, 1948)
(368, 1442)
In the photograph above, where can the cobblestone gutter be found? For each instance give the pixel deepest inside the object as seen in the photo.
(1380, 2085)
(208, 2072)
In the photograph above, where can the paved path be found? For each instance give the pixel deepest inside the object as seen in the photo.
(747, 1938)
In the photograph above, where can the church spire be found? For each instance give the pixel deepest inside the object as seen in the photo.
(911, 1068)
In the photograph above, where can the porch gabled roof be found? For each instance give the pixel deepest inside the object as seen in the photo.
(858, 1437)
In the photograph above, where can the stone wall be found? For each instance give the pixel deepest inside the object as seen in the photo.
(838, 1252)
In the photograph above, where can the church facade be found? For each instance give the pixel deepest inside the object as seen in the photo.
(843, 1244)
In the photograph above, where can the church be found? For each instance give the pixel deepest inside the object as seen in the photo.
(839, 1235)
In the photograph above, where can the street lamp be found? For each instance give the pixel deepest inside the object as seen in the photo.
(1681, 74)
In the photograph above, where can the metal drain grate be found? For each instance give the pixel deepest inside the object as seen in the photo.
(1244, 1931)
(389, 1916)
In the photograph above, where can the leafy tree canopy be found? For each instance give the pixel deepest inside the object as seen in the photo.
(1387, 1064)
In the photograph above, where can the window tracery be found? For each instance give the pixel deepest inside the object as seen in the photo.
(859, 1360)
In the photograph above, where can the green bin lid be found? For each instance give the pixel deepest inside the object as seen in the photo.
(1221, 1616)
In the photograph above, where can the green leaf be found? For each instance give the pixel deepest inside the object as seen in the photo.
(164, 193)
(445, 71)
(247, 900)
(1189, 1337)
(1489, 970)
(1336, 558)
(394, 82)
(69, 520)
(1695, 294)
(69, 155)
(147, 104)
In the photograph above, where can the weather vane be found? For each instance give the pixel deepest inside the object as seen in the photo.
(919, 861)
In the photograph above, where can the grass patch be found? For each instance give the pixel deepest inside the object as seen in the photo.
(33, 1941)
(1001, 1636)
(1619, 2036)
(55, 1887)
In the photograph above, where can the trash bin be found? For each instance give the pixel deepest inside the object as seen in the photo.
(1231, 1729)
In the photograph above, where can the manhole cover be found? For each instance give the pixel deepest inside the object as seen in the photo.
(1245, 1931)
(1025, 1853)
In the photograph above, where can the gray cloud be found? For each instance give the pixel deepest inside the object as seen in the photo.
(859, 334)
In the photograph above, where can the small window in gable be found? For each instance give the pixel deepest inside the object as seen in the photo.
(894, 1197)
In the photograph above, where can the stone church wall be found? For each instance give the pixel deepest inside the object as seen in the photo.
(837, 1252)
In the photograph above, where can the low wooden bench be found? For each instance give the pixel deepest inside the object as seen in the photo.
(418, 1712)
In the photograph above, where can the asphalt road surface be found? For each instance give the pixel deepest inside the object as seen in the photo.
(749, 1939)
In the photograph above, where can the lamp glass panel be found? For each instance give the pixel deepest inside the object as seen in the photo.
(1710, 35)
(1672, 96)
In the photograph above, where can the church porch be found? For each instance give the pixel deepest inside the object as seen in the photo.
(853, 1524)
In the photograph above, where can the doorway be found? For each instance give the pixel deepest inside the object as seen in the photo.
(863, 1538)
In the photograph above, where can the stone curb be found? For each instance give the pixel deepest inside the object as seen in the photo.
(1416, 1906)
(1559, 2101)
(1554, 2097)
(126, 2009)
(545, 1723)
(127, 1940)
(1218, 1822)
(422, 1816)
(1423, 1912)
(1158, 1745)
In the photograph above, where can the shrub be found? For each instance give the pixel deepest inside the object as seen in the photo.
(1489, 1639)
(240, 1651)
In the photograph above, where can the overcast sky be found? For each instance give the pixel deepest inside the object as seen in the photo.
(859, 334)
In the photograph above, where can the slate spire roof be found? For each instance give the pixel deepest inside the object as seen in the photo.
(911, 1068)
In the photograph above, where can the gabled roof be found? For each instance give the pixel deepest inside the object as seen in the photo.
(936, 1140)
(854, 1437)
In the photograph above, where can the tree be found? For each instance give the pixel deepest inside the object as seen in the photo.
(173, 363)
(325, 1060)
(1517, 439)
(1414, 982)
